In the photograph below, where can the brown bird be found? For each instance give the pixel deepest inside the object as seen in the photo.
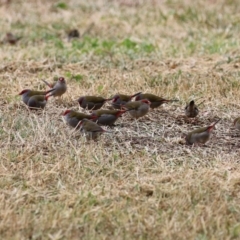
(27, 94)
(73, 118)
(120, 100)
(236, 123)
(92, 102)
(107, 117)
(91, 129)
(139, 108)
(10, 38)
(60, 87)
(191, 110)
(156, 101)
(37, 101)
(200, 135)
(74, 33)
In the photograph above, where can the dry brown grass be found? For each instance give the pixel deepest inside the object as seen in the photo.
(141, 181)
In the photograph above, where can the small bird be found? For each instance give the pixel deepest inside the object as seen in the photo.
(60, 87)
(107, 117)
(73, 118)
(74, 33)
(37, 101)
(10, 38)
(91, 129)
(191, 110)
(92, 102)
(236, 123)
(120, 100)
(200, 135)
(27, 94)
(139, 108)
(156, 101)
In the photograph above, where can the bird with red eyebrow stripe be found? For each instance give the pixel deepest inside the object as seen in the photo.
(60, 87)
(92, 102)
(139, 108)
(120, 100)
(73, 118)
(156, 101)
(200, 135)
(107, 117)
(27, 94)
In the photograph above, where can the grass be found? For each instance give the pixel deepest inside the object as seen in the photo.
(141, 181)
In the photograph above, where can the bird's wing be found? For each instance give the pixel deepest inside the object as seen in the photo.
(132, 105)
(93, 127)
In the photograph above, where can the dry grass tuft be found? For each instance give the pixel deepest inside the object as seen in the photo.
(141, 181)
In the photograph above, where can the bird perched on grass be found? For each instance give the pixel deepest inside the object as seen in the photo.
(191, 109)
(91, 129)
(200, 135)
(37, 102)
(59, 87)
(92, 102)
(73, 118)
(27, 94)
(156, 101)
(107, 117)
(120, 100)
(139, 108)
(74, 33)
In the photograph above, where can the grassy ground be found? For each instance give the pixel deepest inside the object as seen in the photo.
(141, 181)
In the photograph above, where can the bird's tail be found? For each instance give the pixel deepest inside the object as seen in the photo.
(171, 100)
(109, 99)
(136, 94)
(216, 122)
(48, 84)
(49, 91)
(213, 125)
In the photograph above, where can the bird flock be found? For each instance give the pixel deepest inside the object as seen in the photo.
(90, 124)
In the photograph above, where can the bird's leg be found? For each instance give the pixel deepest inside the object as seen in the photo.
(136, 122)
(60, 99)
